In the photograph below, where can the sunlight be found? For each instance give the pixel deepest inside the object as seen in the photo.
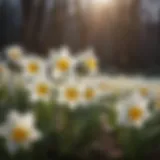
(101, 2)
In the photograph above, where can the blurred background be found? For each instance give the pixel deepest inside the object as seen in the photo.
(124, 33)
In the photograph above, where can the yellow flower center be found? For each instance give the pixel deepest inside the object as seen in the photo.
(91, 64)
(144, 91)
(89, 93)
(20, 134)
(135, 113)
(42, 89)
(72, 94)
(63, 64)
(33, 67)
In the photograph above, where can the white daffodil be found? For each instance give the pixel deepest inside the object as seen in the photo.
(61, 63)
(33, 66)
(132, 110)
(89, 93)
(144, 91)
(144, 88)
(102, 84)
(40, 89)
(19, 131)
(70, 94)
(14, 53)
(90, 61)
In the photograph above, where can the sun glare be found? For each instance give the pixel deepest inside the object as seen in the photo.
(101, 2)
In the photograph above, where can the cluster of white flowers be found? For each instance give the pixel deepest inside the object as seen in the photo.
(56, 74)
(59, 78)
(52, 79)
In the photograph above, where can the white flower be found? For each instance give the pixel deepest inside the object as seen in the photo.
(15, 53)
(144, 91)
(89, 93)
(33, 66)
(133, 110)
(61, 63)
(70, 94)
(90, 61)
(144, 88)
(40, 89)
(19, 131)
